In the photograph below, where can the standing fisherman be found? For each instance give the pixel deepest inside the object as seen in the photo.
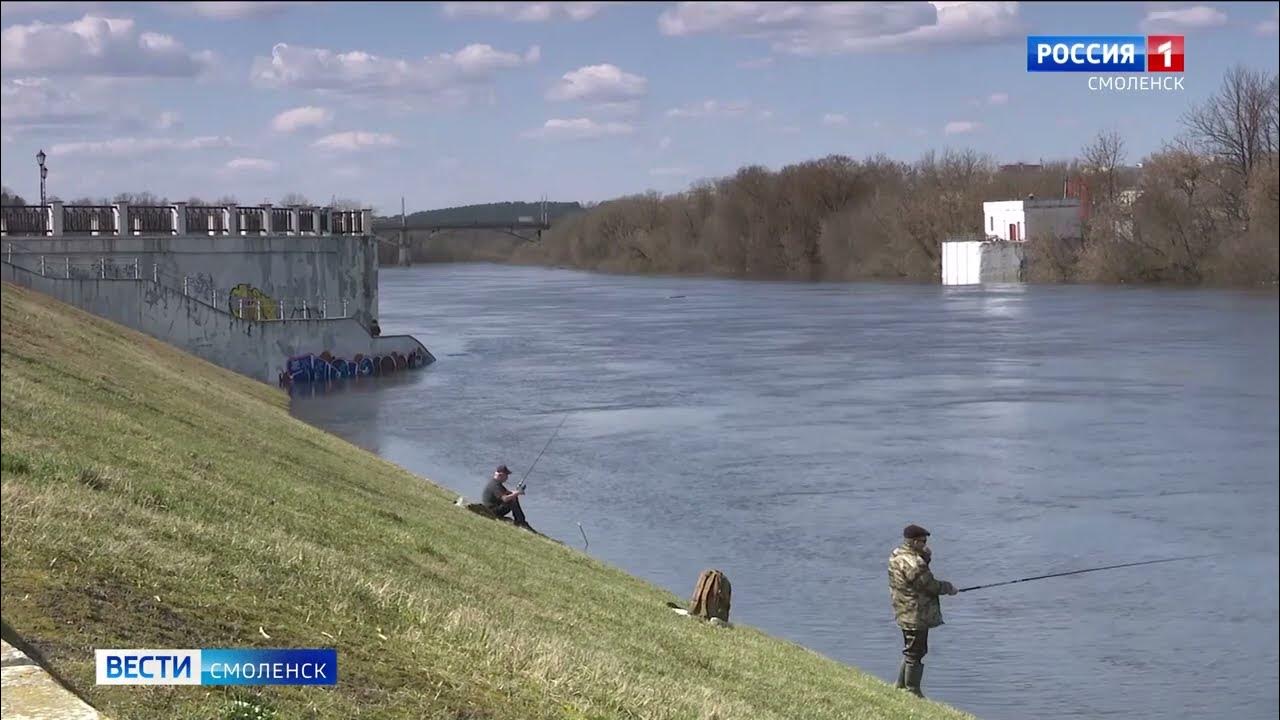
(916, 606)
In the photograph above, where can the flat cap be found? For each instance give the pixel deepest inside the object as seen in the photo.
(911, 532)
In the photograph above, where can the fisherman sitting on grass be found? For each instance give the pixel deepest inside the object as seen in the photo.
(501, 501)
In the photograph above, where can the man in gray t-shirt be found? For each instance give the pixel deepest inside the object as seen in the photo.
(500, 500)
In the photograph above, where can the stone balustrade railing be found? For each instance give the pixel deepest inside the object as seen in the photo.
(59, 220)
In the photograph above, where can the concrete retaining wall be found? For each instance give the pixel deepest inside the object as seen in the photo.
(257, 349)
(285, 268)
(1002, 262)
(971, 262)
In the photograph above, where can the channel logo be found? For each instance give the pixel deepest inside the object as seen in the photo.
(1165, 53)
(1106, 53)
(250, 666)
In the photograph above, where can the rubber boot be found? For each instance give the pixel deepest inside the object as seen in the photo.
(902, 676)
(915, 673)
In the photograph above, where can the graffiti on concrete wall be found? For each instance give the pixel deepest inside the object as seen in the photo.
(247, 301)
(324, 367)
(200, 285)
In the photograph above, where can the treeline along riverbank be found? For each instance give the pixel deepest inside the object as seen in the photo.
(1202, 210)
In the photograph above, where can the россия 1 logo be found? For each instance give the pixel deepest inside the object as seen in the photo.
(1112, 54)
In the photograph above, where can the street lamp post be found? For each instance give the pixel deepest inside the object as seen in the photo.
(44, 173)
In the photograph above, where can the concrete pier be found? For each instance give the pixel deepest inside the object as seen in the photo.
(250, 288)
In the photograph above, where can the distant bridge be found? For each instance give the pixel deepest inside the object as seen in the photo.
(395, 230)
(387, 226)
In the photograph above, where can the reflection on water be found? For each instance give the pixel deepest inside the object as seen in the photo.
(785, 432)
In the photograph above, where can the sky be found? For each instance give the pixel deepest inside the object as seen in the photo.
(449, 104)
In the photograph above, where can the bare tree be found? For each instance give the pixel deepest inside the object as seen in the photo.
(342, 203)
(9, 197)
(1237, 126)
(1103, 159)
(295, 199)
(837, 218)
(141, 198)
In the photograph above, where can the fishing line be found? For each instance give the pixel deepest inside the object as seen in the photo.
(1086, 570)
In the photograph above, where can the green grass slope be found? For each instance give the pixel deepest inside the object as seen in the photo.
(151, 500)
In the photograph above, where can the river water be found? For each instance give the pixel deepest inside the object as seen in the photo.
(786, 432)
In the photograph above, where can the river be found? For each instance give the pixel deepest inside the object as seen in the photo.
(786, 432)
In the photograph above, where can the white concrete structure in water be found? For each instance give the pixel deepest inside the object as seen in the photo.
(970, 261)
(962, 262)
(1019, 220)
(997, 256)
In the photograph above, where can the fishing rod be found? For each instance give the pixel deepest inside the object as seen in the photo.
(544, 449)
(1087, 570)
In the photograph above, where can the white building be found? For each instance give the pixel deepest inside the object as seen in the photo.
(1018, 220)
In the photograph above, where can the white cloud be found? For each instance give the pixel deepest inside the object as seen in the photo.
(39, 8)
(524, 12)
(756, 63)
(168, 120)
(1187, 18)
(578, 129)
(710, 108)
(960, 127)
(132, 147)
(1269, 27)
(355, 140)
(671, 172)
(43, 105)
(835, 120)
(235, 10)
(308, 68)
(97, 46)
(833, 28)
(245, 164)
(998, 98)
(598, 83)
(622, 108)
(37, 102)
(301, 117)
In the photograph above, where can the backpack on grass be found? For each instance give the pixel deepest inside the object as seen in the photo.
(711, 596)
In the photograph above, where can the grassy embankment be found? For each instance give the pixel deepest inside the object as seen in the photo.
(153, 500)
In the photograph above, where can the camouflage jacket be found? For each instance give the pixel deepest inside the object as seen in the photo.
(914, 589)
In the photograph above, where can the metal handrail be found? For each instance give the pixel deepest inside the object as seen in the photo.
(95, 219)
(250, 219)
(206, 218)
(124, 219)
(281, 220)
(153, 218)
(25, 220)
